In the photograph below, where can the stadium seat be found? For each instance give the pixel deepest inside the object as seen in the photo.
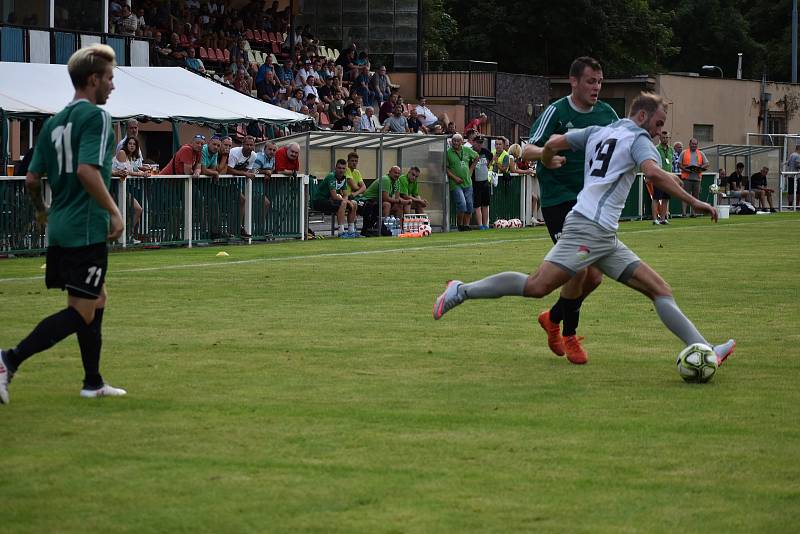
(264, 38)
(272, 37)
(335, 54)
(323, 51)
(202, 54)
(276, 48)
(251, 57)
(184, 40)
(246, 45)
(274, 59)
(226, 55)
(248, 34)
(281, 37)
(212, 56)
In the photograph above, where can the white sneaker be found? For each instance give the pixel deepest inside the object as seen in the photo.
(105, 391)
(448, 300)
(5, 378)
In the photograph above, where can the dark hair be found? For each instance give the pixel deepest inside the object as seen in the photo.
(580, 64)
(340, 161)
(740, 165)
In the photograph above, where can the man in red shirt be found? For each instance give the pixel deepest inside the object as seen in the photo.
(186, 159)
(477, 124)
(287, 159)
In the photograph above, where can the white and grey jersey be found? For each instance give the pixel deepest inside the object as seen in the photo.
(612, 154)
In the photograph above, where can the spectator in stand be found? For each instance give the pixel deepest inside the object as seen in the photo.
(461, 163)
(361, 84)
(337, 86)
(414, 124)
(345, 124)
(325, 92)
(261, 74)
(408, 189)
(347, 59)
(177, 51)
(354, 106)
(424, 113)
(310, 88)
(194, 63)
(451, 129)
(327, 70)
(243, 82)
(296, 102)
(209, 158)
(478, 123)
(127, 23)
(126, 163)
(286, 73)
(380, 85)
(303, 73)
(131, 130)
(677, 150)
(481, 185)
(387, 108)
(736, 185)
(287, 159)
(369, 122)
(224, 153)
(759, 189)
(270, 89)
(241, 161)
(332, 197)
(692, 164)
(469, 137)
(265, 163)
(396, 123)
(660, 199)
(186, 160)
(311, 103)
(336, 107)
(436, 129)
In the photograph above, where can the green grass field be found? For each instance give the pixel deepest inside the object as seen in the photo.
(305, 387)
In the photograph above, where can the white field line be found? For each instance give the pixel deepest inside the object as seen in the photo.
(322, 255)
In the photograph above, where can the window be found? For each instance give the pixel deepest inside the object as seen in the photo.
(704, 133)
(776, 122)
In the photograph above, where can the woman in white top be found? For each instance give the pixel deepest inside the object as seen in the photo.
(520, 166)
(128, 162)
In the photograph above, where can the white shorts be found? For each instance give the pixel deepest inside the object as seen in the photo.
(584, 242)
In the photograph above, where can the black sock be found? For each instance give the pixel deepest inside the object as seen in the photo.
(46, 334)
(90, 339)
(556, 312)
(572, 314)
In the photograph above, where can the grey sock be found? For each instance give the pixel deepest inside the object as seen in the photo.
(674, 319)
(495, 286)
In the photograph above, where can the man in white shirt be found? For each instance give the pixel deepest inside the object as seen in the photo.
(309, 88)
(240, 163)
(369, 121)
(424, 114)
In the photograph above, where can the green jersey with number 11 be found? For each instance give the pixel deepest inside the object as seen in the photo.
(80, 133)
(563, 184)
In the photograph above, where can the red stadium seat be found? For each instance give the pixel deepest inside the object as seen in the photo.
(265, 36)
(272, 38)
(279, 38)
(276, 48)
(226, 54)
(212, 56)
(202, 53)
(249, 35)
(220, 55)
(184, 40)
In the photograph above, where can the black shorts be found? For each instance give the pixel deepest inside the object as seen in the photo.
(658, 194)
(554, 217)
(79, 270)
(481, 194)
(327, 206)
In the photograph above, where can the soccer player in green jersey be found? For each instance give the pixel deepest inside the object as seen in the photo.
(74, 150)
(559, 193)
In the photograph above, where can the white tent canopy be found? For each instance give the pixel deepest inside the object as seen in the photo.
(31, 89)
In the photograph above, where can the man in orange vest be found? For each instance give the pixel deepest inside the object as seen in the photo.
(692, 163)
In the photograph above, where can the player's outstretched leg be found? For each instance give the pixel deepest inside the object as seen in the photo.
(491, 287)
(724, 350)
(447, 300)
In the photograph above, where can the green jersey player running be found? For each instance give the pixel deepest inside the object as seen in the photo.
(559, 191)
(590, 229)
(74, 150)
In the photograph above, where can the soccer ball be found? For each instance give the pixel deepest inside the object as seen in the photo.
(697, 363)
(713, 188)
(515, 223)
(501, 223)
(425, 230)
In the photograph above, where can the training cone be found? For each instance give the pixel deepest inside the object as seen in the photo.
(44, 266)
(222, 253)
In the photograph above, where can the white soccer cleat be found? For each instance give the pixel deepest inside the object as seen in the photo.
(105, 391)
(447, 300)
(5, 378)
(724, 350)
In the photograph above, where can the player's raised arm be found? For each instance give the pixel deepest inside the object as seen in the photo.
(666, 182)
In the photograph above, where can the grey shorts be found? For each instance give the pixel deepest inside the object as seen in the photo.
(584, 243)
(692, 187)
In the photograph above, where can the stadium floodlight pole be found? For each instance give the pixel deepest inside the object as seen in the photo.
(711, 67)
(739, 68)
(794, 41)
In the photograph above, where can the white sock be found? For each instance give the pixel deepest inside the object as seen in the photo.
(352, 227)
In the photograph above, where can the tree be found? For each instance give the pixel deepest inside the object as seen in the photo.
(438, 28)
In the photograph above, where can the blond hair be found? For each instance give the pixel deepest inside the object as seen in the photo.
(93, 59)
(515, 150)
(647, 102)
